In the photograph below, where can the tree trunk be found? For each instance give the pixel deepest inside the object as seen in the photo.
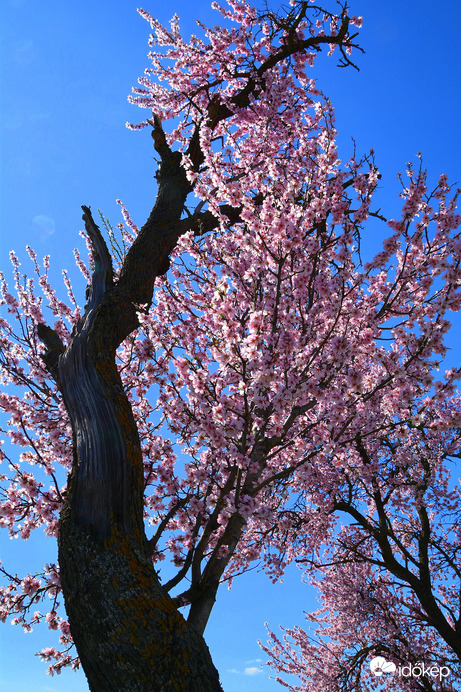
(128, 633)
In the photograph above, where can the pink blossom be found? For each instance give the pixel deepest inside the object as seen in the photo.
(276, 382)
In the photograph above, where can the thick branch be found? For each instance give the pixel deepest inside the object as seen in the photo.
(102, 277)
(218, 111)
(206, 221)
(54, 348)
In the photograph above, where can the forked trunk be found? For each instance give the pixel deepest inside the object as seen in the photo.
(128, 633)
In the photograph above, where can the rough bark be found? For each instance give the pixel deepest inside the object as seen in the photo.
(127, 630)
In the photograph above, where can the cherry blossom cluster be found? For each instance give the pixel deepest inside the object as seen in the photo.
(389, 582)
(273, 352)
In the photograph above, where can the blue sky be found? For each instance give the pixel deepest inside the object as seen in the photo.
(66, 70)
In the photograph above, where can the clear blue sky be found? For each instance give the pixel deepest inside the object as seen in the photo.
(66, 70)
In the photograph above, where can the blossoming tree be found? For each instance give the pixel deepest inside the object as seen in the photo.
(390, 579)
(268, 383)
